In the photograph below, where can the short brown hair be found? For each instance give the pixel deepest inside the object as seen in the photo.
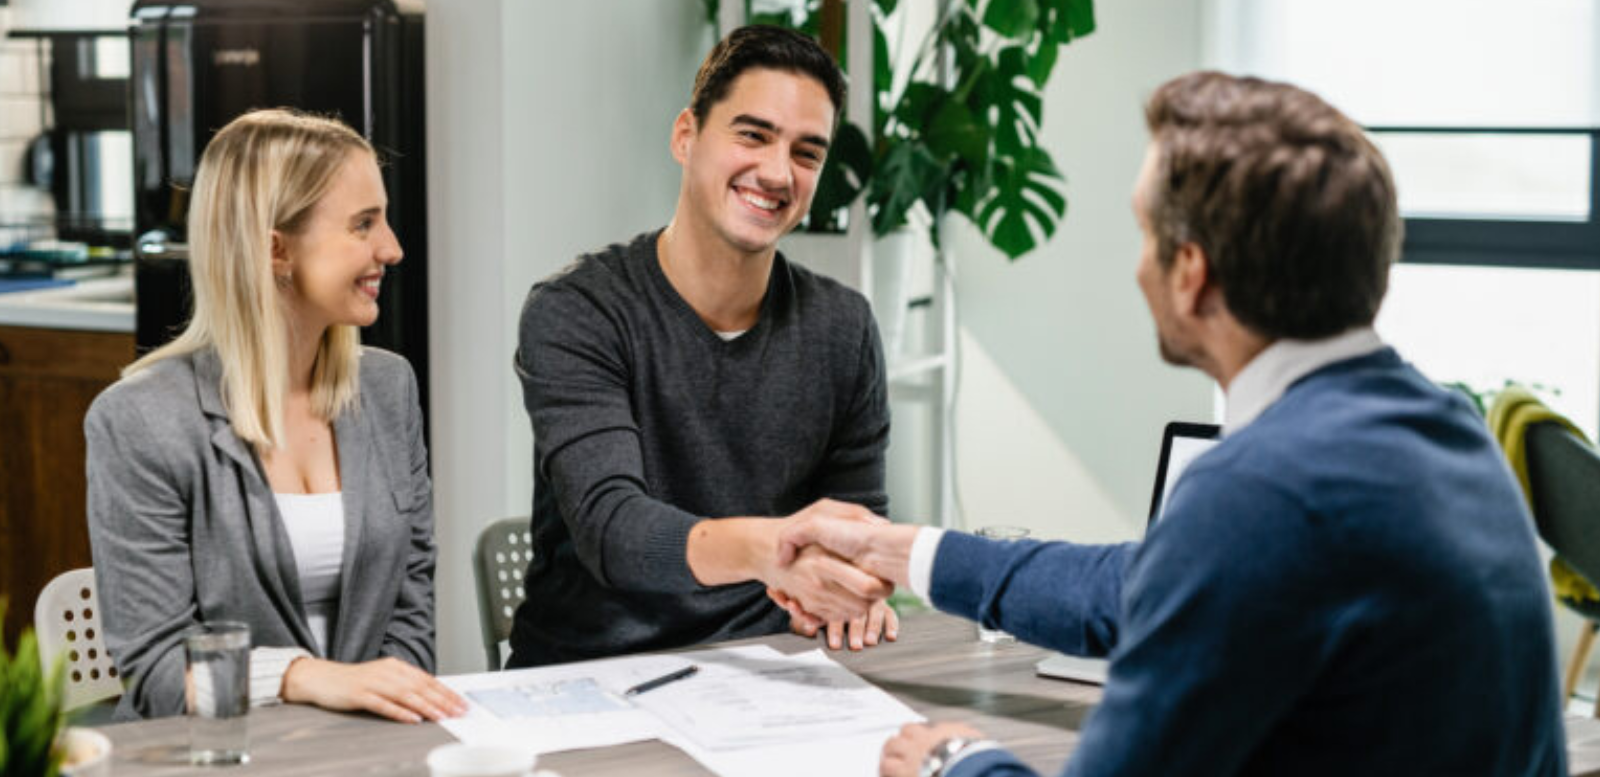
(763, 46)
(1293, 206)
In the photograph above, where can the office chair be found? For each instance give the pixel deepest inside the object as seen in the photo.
(66, 621)
(1564, 490)
(500, 560)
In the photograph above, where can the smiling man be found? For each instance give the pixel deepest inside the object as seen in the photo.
(691, 387)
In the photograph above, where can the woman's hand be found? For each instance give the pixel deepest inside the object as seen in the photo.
(388, 687)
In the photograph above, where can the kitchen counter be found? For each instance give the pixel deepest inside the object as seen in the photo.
(97, 305)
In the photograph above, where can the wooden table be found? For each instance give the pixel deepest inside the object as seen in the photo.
(938, 668)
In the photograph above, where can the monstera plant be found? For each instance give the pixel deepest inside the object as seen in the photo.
(959, 132)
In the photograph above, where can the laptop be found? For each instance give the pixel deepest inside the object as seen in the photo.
(1181, 443)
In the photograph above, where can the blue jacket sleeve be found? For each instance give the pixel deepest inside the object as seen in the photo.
(1221, 632)
(1056, 594)
(990, 763)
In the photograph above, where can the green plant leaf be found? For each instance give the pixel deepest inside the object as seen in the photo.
(1015, 100)
(1025, 198)
(1013, 19)
(848, 169)
(1079, 19)
(30, 709)
(1042, 62)
(905, 174)
(918, 103)
(955, 133)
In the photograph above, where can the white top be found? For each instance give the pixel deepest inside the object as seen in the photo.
(730, 336)
(1252, 391)
(315, 523)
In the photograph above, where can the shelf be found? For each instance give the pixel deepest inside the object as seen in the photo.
(905, 368)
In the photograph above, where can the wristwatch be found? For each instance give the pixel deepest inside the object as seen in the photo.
(933, 765)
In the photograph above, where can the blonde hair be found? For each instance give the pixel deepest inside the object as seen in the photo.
(265, 171)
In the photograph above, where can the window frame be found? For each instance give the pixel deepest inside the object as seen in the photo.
(1524, 243)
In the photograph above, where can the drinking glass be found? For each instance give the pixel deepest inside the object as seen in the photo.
(216, 685)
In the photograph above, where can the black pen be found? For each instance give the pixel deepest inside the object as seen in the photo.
(650, 685)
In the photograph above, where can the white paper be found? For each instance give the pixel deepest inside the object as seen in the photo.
(567, 707)
(756, 696)
(748, 711)
(851, 756)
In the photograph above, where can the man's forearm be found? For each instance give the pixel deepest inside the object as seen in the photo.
(732, 550)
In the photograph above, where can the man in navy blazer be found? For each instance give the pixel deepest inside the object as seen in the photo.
(1346, 584)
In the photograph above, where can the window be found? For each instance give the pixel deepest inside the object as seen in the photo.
(1488, 115)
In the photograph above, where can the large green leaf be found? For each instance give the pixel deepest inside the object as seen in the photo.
(1079, 19)
(846, 173)
(1013, 19)
(1015, 101)
(1042, 62)
(1025, 198)
(907, 172)
(955, 133)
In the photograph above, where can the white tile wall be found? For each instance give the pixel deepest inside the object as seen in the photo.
(21, 96)
(11, 152)
(19, 68)
(19, 118)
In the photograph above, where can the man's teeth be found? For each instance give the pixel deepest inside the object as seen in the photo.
(759, 201)
(372, 284)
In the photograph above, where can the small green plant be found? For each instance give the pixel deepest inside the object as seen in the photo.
(30, 709)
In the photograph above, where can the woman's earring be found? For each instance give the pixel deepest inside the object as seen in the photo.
(285, 280)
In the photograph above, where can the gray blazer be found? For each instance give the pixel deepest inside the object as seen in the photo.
(184, 528)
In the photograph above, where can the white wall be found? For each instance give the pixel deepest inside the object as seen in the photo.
(547, 136)
(1063, 396)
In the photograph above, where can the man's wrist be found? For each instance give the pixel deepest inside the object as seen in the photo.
(723, 551)
(941, 755)
(890, 553)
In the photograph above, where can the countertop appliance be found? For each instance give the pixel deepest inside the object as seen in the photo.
(198, 64)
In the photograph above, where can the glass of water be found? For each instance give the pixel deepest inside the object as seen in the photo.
(1001, 534)
(216, 687)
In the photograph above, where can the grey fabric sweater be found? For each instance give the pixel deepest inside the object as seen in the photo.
(645, 422)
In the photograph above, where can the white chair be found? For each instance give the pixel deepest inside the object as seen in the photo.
(66, 620)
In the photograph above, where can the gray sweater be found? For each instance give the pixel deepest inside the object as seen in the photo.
(646, 421)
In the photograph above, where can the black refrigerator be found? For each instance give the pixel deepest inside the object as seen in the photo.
(198, 64)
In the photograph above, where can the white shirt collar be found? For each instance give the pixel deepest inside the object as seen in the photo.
(1267, 376)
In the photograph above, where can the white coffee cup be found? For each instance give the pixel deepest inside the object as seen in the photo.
(463, 760)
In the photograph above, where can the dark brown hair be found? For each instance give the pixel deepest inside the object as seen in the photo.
(1293, 206)
(763, 46)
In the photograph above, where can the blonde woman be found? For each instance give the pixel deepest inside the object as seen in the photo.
(264, 467)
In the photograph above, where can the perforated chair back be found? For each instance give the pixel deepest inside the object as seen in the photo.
(500, 559)
(66, 619)
(1564, 486)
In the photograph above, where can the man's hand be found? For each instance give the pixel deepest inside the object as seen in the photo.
(826, 588)
(904, 753)
(881, 623)
(878, 547)
(388, 687)
(724, 551)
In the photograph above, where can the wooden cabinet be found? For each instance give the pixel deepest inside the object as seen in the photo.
(48, 377)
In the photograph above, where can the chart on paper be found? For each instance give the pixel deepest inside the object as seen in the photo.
(546, 699)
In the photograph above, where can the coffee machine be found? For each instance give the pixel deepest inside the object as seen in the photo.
(198, 64)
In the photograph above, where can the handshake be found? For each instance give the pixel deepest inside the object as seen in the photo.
(834, 564)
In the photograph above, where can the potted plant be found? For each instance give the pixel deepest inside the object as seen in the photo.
(32, 741)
